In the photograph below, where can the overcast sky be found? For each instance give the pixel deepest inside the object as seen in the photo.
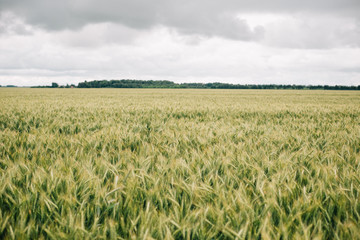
(234, 41)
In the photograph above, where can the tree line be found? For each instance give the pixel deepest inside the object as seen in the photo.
(55, 85)
(126, 83)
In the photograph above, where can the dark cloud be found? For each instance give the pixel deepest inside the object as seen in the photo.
(203, 17)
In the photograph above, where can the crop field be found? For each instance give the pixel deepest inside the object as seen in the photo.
(179, 164)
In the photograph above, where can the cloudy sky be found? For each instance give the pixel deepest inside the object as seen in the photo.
(234, 41)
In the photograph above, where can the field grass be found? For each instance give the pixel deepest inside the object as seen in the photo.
(179, 164)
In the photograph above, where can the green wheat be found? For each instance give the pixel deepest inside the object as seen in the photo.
(179, 164)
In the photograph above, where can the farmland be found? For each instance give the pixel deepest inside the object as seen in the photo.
(179, 164)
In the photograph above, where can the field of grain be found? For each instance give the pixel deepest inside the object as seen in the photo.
(179, 164)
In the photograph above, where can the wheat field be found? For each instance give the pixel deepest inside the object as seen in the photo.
(179, 164)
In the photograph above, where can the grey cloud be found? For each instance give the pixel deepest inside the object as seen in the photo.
(144, 13)
(203, 17)
(187, 17)
(97, 35)
(351, 70)
(10, 24)
(226, 26)
(313, 31)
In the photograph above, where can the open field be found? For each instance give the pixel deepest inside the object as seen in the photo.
(179, 164)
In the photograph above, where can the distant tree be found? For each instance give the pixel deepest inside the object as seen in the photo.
(54, 85)
(128, 83)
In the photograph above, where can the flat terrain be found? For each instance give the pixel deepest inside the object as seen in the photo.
(179, 164)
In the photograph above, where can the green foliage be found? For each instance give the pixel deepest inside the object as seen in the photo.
(125, 83)
(179, 164)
